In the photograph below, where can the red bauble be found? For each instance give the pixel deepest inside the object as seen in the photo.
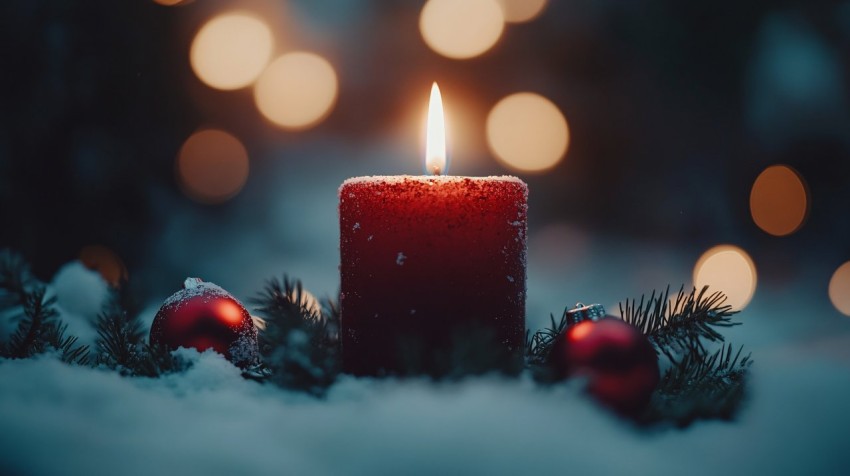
(616, 358)
(204, 316)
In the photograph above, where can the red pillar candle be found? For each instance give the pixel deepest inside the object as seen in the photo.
(433, 273)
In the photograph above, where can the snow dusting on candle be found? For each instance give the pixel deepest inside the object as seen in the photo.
(430, 180)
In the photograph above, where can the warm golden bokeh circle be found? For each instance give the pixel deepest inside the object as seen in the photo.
(212, 166)
(527, 132)
(461, 29)
(171, 3)
(297, 90)
(106, 262)
(839, 289)
(779, 200)
(728, 269)
(231, 50)
(519, 11)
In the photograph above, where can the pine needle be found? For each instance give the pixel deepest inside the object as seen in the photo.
(300, 343)
(121, 344)
(698, 384)
(681, 324)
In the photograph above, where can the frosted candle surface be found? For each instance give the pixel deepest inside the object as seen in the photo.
(431, 266)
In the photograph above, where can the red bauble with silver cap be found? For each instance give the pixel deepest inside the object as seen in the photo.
(204, 316)
(618, 361)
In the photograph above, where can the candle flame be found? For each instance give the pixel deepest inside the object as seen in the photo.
(435, 142)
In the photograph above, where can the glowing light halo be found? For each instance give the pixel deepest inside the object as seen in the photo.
(729, 269)
(171, 3)
(231, 50)
(527, 132)
(212, 166)
(105, 261)
(461, 29)
(297, 90)
(521, 11)
(839, 289)
(779, 200)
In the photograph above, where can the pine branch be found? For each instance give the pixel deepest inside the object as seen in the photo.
(29, 337)
(70, 352)
(39, 330)
(698, 384)
(539, 345)
(119, 341)
(700, 387)
(680, 325)
(121, 344)
(300, 342)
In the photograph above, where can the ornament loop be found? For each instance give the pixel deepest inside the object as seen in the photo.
(590, 312)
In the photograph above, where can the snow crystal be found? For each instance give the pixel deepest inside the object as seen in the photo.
(244, 350)
(356, 226)
(195, 287)
(426, 179)
(399, 260)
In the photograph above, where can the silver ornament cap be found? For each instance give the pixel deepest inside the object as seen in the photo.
(581, 313)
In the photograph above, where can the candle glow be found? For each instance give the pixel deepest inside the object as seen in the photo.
(429, 261)
(435, 135)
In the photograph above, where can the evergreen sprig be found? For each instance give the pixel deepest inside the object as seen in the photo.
(55, 334)
(39, 328)
(300, 342)
(698, 383)
(680, 325)
(697, 386)
(121, 344)
(538, 346)
(119, 337)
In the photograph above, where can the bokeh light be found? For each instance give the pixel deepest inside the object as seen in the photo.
(231, 50)
(311, 303)
(527, 132)
(839, 289)
(212, 166)
(728, 269)
(519, 11)
(779, 200)
(171, 3)
(106, 262)
(461, 29)
(297, 90)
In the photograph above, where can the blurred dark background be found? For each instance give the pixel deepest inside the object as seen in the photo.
(674, 109)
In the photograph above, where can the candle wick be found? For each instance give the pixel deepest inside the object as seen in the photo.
(436, 170)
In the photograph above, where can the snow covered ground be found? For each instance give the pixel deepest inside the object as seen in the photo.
(56, 419)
